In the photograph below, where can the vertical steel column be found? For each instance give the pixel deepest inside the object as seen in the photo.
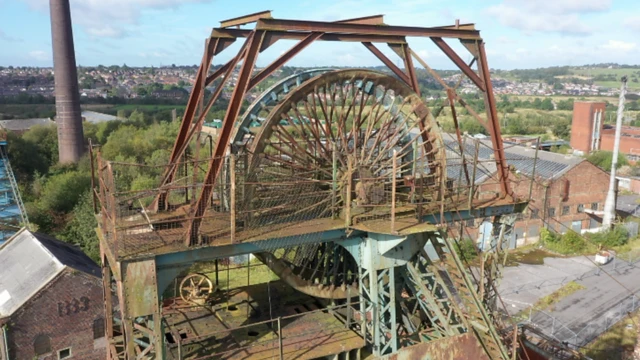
(493, 122)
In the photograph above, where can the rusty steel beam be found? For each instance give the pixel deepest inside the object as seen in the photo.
(273, 36)
(198, 208)
(365, 20)
(221, 70)
(493, 122)
(396, 70)
(411, 70)
(197, 127)
(192, 104)
(282, 59)
(333, 27)
(451, 54)
(451, 95)
(246, 19)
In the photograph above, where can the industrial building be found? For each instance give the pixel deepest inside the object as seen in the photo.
(564, 186)
(590, 133)
(51, 301)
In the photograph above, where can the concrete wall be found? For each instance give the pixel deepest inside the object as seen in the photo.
(64, 311)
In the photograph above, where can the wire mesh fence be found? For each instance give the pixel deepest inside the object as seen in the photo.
(580, 333)
(269, 196)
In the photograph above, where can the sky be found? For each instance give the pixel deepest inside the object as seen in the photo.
(517, 33)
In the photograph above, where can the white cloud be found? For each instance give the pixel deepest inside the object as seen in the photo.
(110, 18)
(40, 55)
(559, 16)
(632, 22)
(423, 54)
(561, 6)
(617, 45)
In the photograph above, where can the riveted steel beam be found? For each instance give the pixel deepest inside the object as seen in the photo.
(396, 70)
(246, 19)
(332, 27)
(451, 54)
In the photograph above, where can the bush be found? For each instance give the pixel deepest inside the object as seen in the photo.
(466, 249)
(567, 244)
(616, 237)
(604, 159)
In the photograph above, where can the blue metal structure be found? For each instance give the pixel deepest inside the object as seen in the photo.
(13, 215)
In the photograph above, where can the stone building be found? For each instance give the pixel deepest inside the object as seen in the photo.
(51, 301)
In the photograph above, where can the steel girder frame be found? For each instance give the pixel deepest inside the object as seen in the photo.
(366, 30)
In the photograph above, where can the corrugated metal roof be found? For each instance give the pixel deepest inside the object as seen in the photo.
(29, 262)
(548, 166)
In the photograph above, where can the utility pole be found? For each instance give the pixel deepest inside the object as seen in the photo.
(610, 204)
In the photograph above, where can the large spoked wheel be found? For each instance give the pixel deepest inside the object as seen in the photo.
(196, 289)
(333, 140)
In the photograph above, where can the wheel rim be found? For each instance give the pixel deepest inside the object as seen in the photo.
(196, 288)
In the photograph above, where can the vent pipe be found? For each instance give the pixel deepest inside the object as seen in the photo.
(68, 116)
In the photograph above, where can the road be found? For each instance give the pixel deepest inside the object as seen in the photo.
(584, 314)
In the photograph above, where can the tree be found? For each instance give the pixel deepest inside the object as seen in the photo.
(546, 104)
(562, 129)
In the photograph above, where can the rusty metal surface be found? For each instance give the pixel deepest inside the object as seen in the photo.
(299, 25)
(140, 288)
(222, 330)
(459, 347)
(246, 19)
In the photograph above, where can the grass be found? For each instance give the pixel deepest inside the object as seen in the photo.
(260, 273)
(547, 302)
(617, 343)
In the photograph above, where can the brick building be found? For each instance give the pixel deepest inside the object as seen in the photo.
(565, 186)
(51, 301)
(589, 133)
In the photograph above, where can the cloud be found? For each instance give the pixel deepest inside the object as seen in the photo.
(617, 45)
(554, 16)
(40, 55)
(111, 18)
(632, 23)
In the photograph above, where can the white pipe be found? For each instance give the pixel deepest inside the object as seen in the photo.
(610, 204)
(598, 128)
(594, 131)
